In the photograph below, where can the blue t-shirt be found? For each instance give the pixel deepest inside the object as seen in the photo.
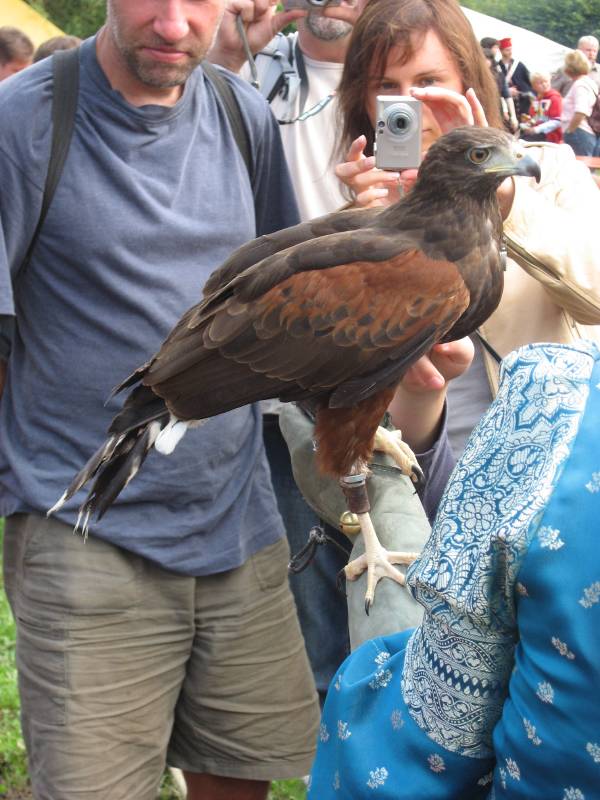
(150, 202)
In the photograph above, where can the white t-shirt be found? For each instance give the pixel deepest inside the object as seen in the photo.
(308, 144)
(580, 98)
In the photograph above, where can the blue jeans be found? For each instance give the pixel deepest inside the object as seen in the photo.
(322, 609)
(582, 142)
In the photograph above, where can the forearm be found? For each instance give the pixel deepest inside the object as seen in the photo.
(232, 60)
(554, 223)
(437, 464)
(548, 127)
(418, 416)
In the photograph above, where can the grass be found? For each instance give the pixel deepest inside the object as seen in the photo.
(13, 763)
(14, 781)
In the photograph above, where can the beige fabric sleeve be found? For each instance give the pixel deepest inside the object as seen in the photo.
(553, 230)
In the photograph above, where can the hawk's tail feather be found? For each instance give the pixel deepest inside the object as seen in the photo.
(132, 434)
(119, 471)
(111, 468)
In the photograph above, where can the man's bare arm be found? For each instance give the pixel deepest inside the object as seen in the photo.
(261, 22)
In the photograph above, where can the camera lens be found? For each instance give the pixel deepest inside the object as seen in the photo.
(398, 122)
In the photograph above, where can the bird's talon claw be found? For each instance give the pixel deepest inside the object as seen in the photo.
(417, 476)
(368, 604)
(340, 582)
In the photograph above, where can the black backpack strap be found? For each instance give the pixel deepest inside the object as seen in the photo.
(65, 91)
(301, 68)
(487, 346)
(234, 114)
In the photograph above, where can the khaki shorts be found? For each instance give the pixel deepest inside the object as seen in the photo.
(123, 665)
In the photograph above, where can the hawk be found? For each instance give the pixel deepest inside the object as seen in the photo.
(329, 313)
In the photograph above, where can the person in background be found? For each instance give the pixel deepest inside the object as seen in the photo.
(589, 47)
(170, 635)
(55, 43)
(494, 694)
(16, 51)
(314, 56)
(507, 106)
(577, 106)
(542, 123)
(517, 77)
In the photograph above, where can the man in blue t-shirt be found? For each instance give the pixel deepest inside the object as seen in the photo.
(170, 636)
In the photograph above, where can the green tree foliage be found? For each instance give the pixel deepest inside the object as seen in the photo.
(563, 21)
(76, 17)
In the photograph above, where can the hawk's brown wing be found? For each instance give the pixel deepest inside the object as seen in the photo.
(271, 243)
(341, 331)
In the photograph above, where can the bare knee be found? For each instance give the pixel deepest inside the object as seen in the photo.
(214, 787)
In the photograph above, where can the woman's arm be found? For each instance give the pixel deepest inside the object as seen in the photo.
(552, 231)
(575, 122)
(418, 404)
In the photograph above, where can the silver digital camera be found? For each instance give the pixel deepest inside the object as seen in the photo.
(398, 132)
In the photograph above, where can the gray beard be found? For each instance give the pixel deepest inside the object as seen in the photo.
(160, 76)
(327, 29)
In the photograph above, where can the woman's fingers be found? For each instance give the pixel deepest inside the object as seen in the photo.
(345, 13)
(373, 196)
(451, 109)
(362, 174)
(370, 186)
(407, 179)
(357, 149)
(443, 363)
(423, 376)
(476, 108)
(453, 358)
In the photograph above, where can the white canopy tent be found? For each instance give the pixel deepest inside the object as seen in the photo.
(535, 51)
(18, 14)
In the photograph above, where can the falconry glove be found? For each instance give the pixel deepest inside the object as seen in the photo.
(397, 514)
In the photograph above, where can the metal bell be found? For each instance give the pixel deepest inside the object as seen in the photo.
(349, 524)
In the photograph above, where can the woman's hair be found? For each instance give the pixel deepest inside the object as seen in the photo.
(385, 24)
(576, 64)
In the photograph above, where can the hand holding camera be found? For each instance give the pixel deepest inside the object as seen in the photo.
(369, 186)
(442, 111)
(398, 132)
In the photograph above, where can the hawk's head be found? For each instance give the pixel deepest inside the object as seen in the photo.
(473, 161)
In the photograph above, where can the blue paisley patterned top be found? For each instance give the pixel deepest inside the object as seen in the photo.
(496, 694)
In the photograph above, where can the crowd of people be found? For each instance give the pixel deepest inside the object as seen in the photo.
(554, 107)
(173, 635)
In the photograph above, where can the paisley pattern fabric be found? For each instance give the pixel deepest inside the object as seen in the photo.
(487, 698)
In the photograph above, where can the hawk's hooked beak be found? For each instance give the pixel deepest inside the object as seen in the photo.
(517, 164)
(527, 166)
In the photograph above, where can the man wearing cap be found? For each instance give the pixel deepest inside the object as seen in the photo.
(517, 77)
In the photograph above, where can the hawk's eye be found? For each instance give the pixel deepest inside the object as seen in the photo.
(479, 155)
